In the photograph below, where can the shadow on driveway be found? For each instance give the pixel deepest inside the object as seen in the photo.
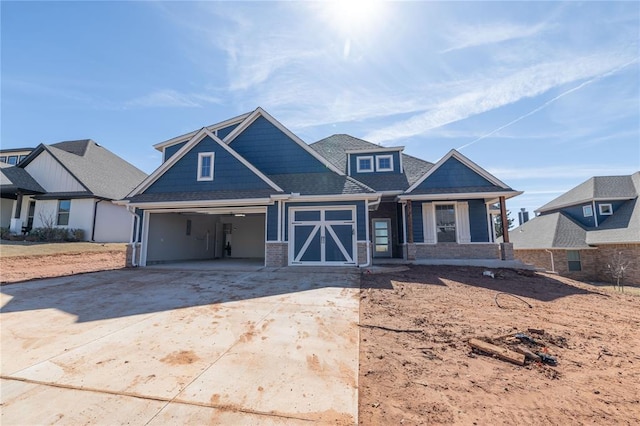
(120, 293)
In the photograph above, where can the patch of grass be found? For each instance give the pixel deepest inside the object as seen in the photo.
(633, 290)
(15, 249)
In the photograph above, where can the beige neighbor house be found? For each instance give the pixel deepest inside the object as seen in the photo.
(69, 185)
(579, 233)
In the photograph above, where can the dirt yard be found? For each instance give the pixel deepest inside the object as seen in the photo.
(421, 369)
(22, 262)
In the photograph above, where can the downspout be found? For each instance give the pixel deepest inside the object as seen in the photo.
(553, 268)
(134, 237)
(95, 213)
(366, 210)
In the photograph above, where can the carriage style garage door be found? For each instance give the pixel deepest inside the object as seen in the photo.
(322, 236)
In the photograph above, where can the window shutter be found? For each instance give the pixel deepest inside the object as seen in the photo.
(429, 223)
(462, 217)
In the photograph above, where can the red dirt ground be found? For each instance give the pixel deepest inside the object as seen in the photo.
(429, 375)
(23, 268)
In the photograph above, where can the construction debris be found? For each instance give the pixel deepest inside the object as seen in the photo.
(497, 351)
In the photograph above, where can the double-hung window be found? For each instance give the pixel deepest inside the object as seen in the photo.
(64, 209)
(446, 223)
(205, 165)
(573, 260)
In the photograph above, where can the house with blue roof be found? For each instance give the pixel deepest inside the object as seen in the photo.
(248, 187)
(580, 233)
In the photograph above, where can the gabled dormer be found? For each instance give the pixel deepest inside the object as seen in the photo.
(594, 201)
(382, 160)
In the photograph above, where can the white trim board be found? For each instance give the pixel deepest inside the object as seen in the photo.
(202, 133)
(464, 160)
(212, 128)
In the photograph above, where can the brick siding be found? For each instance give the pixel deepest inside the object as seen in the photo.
(277, 254)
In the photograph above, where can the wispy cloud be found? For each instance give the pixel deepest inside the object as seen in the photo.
(168, 98)
(474, 35)
(494, 92)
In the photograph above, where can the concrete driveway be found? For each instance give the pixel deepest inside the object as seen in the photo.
(181, 347)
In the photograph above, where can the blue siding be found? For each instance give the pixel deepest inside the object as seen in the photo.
(170, 150)
(272, 222)
(478, 221)
(229, 173)
(353, 162)
(418, 232)
(272, 152)
(400, 223)
(575, 212)
(615, 205)
(361, 223)
(454, 174)
(222, 133)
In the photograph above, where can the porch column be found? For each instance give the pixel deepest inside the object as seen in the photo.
(18, 206)
(505, 222)
(409, 223)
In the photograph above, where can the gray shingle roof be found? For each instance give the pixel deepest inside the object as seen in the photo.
(201, 196)
(622, 227)
(596, 188)
(14, 179)
(334, 148)
(327, 183)
(553, 230)
(102, 172)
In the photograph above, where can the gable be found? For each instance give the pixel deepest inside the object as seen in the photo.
(271, 151)
(454, 174)
(172, 149)
(229, 173)
(51, 175)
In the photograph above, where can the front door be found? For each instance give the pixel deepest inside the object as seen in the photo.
(322, 236)
(381, 238)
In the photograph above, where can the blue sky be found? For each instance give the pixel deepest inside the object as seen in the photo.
(544, 94)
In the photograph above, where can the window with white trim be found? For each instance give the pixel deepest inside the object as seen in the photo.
(587, 211)
(605, 209)
(446, 223)
(64, 209)
(205, 165)
(364, 164)
(384, 163)
(573, 260)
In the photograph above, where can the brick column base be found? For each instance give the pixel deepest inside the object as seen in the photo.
(277, 254)
(362, 253)
(129, 255)
(506, 251)
(410, 251)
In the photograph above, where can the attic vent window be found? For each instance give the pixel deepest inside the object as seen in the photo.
(384, 163)
(205, 166)
(605, 209)
(587, 211)
(365, 164)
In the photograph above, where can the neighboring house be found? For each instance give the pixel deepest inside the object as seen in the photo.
(578, 233)
(14, 181)
(249, 188)
(72, 185)
(13, 156)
